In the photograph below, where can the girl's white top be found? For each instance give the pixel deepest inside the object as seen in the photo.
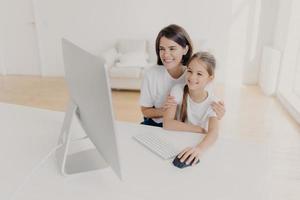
(197, 113)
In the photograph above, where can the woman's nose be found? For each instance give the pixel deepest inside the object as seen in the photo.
(166, 53)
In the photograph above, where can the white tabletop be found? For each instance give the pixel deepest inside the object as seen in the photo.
(232, 169)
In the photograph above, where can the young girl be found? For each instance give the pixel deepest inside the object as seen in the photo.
(173, 49)
(194, 112)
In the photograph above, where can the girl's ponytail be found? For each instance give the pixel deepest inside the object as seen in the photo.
(183, 110)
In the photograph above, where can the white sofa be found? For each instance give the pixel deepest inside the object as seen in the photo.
(127, 61)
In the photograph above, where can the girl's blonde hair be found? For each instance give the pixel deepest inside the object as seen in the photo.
(210, 63)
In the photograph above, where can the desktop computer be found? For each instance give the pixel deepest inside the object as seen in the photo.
(90, 102)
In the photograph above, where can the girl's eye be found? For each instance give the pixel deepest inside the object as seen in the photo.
(161, 49)
(189, 71)
(199, 74)
(172, 49)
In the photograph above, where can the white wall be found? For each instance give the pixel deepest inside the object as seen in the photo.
(95, 25)
(238, 41)
(281, 29)
(267, 15)
(18, 41)
(281, 26)
(231, 29)
(234, 30)
(273, 26)
(254, 24)
(290, 39)
(2, 69)
(248, 27)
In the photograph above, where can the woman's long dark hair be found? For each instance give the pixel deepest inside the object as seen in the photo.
(210, 63)
(178, 35)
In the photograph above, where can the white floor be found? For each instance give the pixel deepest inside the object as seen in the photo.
(256, 117)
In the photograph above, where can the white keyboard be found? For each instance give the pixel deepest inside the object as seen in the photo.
(157, 144)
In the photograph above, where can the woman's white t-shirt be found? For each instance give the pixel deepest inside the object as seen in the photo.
(156, 86)
(197, 113)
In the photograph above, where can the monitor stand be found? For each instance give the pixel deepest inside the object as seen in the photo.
(83, 161)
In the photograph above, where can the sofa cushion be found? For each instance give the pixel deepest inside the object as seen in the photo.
(125, 72)
(132, 59)
(131, 45)
(110, 56)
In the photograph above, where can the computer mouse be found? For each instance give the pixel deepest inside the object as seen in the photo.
(179, 164)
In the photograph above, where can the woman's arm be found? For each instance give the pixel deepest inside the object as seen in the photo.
(193, 153)
(150, 112)
(170, 123)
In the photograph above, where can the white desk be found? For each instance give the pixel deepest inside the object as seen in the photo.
(231, 169)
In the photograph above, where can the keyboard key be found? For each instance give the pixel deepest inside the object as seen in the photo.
(157, 144)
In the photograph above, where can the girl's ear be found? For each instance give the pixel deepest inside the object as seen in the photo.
(211, 77)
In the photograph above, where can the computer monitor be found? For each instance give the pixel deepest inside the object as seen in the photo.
(90, 102)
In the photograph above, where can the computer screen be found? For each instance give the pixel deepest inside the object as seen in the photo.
(90, 95)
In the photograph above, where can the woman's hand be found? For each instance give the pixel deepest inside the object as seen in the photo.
(170, 101)
(219, 108)
(189, 154)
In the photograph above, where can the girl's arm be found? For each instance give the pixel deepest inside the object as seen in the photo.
(209, 139)
(170, 123)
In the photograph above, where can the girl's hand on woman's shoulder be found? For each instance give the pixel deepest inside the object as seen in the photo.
(219, 108)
